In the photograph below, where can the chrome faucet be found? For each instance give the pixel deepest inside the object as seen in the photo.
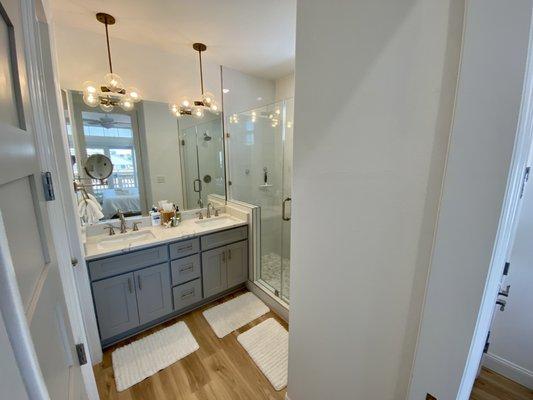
(208, 212)
(123, 226)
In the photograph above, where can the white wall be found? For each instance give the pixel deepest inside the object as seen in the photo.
(245, 91)
(162, 167)
(511, 344)
(285, 87)
(372, 120)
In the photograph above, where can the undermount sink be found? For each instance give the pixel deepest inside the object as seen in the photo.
(124, 239)
(213, 221)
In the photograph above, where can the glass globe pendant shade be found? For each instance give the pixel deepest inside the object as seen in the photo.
(208, 98)
(126, 103)
(174, 108)
(134, 94)
(106, 107)
(214, 107)
(91, 99)
(89, 87)
(113, 82)
(185, 102)
(198, 112)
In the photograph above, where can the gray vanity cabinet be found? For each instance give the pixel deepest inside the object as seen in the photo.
(135, 290)
(224, 267)
(116, 305)
(153, 290)
(237, 263)
(214, 271)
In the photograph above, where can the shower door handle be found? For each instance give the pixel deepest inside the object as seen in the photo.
(199, 182)
(284, 209)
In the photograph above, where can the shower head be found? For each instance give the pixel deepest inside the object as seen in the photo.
(207, 138)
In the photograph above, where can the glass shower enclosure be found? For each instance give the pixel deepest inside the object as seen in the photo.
(260, 173)
(202, 159)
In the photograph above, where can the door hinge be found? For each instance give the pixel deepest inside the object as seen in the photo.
(430, 397)
(487, 343)
(524, 181)
(74, 262)
(82, 357)
(48, 186)
(228, 135)
(506, 268)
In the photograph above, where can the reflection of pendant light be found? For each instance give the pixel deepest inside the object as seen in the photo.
(112, 93)
(206, 102)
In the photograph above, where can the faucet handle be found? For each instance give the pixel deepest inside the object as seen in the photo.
(200, 215)
(111, 229)
(136, 225)
(216, 212)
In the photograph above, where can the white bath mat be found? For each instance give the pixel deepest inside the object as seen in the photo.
(268, 345)
(233, 314)
(146, 356)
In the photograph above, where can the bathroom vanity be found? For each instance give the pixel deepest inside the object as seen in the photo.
(173, 272)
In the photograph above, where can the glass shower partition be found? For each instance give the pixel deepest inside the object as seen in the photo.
(202, 158)
(260, 170)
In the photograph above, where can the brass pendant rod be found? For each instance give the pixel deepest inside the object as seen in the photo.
(201, 72)
(108, 48)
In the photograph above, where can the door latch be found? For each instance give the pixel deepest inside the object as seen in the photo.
(80, 351)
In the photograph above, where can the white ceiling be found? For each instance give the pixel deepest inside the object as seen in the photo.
(253, 36)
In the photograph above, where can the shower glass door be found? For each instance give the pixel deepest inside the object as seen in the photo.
(260, 165)
(202, 158)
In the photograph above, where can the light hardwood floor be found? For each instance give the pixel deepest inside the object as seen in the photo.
(493, 386)
(221, 369)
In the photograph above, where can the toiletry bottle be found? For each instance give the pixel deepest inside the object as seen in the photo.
(155, 216)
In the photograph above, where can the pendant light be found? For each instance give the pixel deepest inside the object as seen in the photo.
(112, 93)
(207, 100)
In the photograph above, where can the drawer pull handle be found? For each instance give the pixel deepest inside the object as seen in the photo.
(185, 295)
(189, 268)
(229, 254)
(130, 286)
(189, 247)
(139, 283)
(224, 256)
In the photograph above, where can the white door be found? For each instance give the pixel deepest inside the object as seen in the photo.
(31, 294)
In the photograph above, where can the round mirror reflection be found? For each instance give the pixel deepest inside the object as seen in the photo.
(98, 166)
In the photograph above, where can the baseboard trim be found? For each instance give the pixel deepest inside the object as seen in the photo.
(508, 369)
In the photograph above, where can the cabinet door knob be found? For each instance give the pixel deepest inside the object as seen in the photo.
(139, 283)
(130, 286)
(229, 254)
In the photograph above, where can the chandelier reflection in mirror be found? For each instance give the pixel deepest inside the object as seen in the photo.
(197, 107)
(113, 92)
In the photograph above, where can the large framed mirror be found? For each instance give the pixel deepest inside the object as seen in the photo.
(155, 155)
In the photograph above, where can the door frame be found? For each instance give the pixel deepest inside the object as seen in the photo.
(45, 98)
(489, 146)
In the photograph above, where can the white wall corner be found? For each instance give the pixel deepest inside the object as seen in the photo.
(508, 369)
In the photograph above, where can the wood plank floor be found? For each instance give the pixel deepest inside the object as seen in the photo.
(221, 369)
(493, 386)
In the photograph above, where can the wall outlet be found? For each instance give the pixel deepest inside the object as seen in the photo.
(430, 397)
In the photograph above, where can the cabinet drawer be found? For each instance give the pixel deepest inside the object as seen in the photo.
(187, 294)
(115, 265)
(225, 237)
(185, 269)
(184, 248)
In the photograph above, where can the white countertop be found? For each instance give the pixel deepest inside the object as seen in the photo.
(158, 235)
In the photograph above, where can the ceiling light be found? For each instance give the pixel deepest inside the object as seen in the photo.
(225, 90)
(112, 93)
(207, 101)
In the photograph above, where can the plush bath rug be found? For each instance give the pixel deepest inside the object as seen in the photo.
(146, 356)
(233, 314)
